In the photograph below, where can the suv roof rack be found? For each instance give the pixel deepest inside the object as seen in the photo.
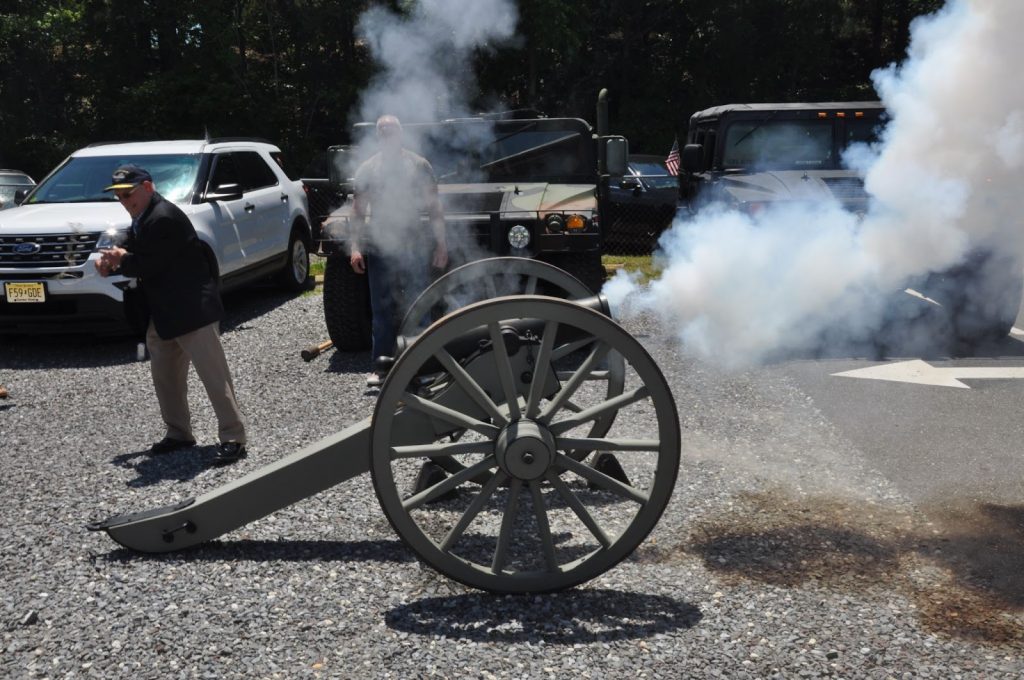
(107, 143)
(220, 140)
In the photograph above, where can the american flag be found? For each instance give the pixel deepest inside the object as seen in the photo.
(672, 162)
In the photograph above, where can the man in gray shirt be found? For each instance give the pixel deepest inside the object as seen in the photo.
(394, 188)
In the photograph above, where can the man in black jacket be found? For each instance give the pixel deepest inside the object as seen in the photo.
(178, 278)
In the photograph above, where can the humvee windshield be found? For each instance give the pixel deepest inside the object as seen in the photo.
(798, 144)
(557, 150)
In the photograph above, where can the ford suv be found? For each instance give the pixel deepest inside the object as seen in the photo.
(245, 209)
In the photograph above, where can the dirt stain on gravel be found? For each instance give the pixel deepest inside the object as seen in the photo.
(960, 565)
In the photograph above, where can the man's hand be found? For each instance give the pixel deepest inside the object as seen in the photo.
(440, 259)
(357, 262)
(110, 260)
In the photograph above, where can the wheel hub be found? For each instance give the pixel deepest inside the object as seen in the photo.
(525, 450)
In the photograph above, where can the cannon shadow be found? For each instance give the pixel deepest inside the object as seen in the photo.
(566, 618)
(249, 550)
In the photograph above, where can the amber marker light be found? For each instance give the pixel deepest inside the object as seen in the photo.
(575, 222)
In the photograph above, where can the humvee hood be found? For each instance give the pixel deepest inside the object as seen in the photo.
(526, 197)
(797, 185)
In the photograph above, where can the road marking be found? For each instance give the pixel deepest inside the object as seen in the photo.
(922, 373)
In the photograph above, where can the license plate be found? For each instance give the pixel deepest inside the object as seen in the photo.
(25, 291)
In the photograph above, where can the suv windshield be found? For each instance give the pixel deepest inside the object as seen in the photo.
(654, 174)
(82, 178)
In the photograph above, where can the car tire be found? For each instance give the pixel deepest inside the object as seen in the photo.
(294, 276)
(346, 305)
(586, 267)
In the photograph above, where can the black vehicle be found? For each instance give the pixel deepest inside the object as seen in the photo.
(641, 205)
(751, 157)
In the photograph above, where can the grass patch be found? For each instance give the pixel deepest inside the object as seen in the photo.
(316, 265)
(633, 263)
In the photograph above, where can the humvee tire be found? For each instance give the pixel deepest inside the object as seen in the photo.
(346, 305)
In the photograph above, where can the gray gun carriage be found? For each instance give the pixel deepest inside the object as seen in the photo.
(521, 443)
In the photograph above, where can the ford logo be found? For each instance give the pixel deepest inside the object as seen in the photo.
(27, 248)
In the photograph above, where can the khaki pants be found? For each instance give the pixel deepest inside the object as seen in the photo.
(169, 362)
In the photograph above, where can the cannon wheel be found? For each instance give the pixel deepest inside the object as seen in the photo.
(493, 277)
(543, 521)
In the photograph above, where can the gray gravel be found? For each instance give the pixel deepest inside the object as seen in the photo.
(779, 556)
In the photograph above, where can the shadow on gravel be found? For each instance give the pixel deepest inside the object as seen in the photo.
(571, 617)
(37, 351)
(181, 465)
(348, 362)
(961, 571)
(246, 550)
(243, 305)
(65, 351)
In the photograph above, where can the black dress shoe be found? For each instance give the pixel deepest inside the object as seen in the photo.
(168, 444)
(229, 452)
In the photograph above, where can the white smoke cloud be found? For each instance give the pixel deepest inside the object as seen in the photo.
(425, 59)
(944, 179)
(425, 55)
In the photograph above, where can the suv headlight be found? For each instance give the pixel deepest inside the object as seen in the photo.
(519, 236)
(112, 237)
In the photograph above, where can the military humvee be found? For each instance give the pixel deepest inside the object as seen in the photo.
(516, 184)
(752, 156)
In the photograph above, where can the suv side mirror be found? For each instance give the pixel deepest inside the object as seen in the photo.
(225, 192)
(693, 157)
(19, 196)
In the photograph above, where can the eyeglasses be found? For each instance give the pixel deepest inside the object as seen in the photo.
(123, 194)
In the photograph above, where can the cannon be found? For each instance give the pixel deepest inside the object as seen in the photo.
(512, 399)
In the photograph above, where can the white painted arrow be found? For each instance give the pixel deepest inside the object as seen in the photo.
(923, 373)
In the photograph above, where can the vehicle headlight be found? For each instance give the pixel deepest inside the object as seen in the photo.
(519, 236)
(112, 237)
(554, 224)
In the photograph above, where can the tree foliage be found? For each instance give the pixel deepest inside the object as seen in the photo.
(79, 71)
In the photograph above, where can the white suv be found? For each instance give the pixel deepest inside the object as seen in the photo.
(244, 208)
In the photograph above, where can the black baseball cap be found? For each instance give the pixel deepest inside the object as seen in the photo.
(128, 176)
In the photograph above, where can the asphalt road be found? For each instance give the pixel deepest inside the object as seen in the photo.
(939, 444)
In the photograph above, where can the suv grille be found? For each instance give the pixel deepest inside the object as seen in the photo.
(46, 250)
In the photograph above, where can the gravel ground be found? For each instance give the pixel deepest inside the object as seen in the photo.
(779, 555)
